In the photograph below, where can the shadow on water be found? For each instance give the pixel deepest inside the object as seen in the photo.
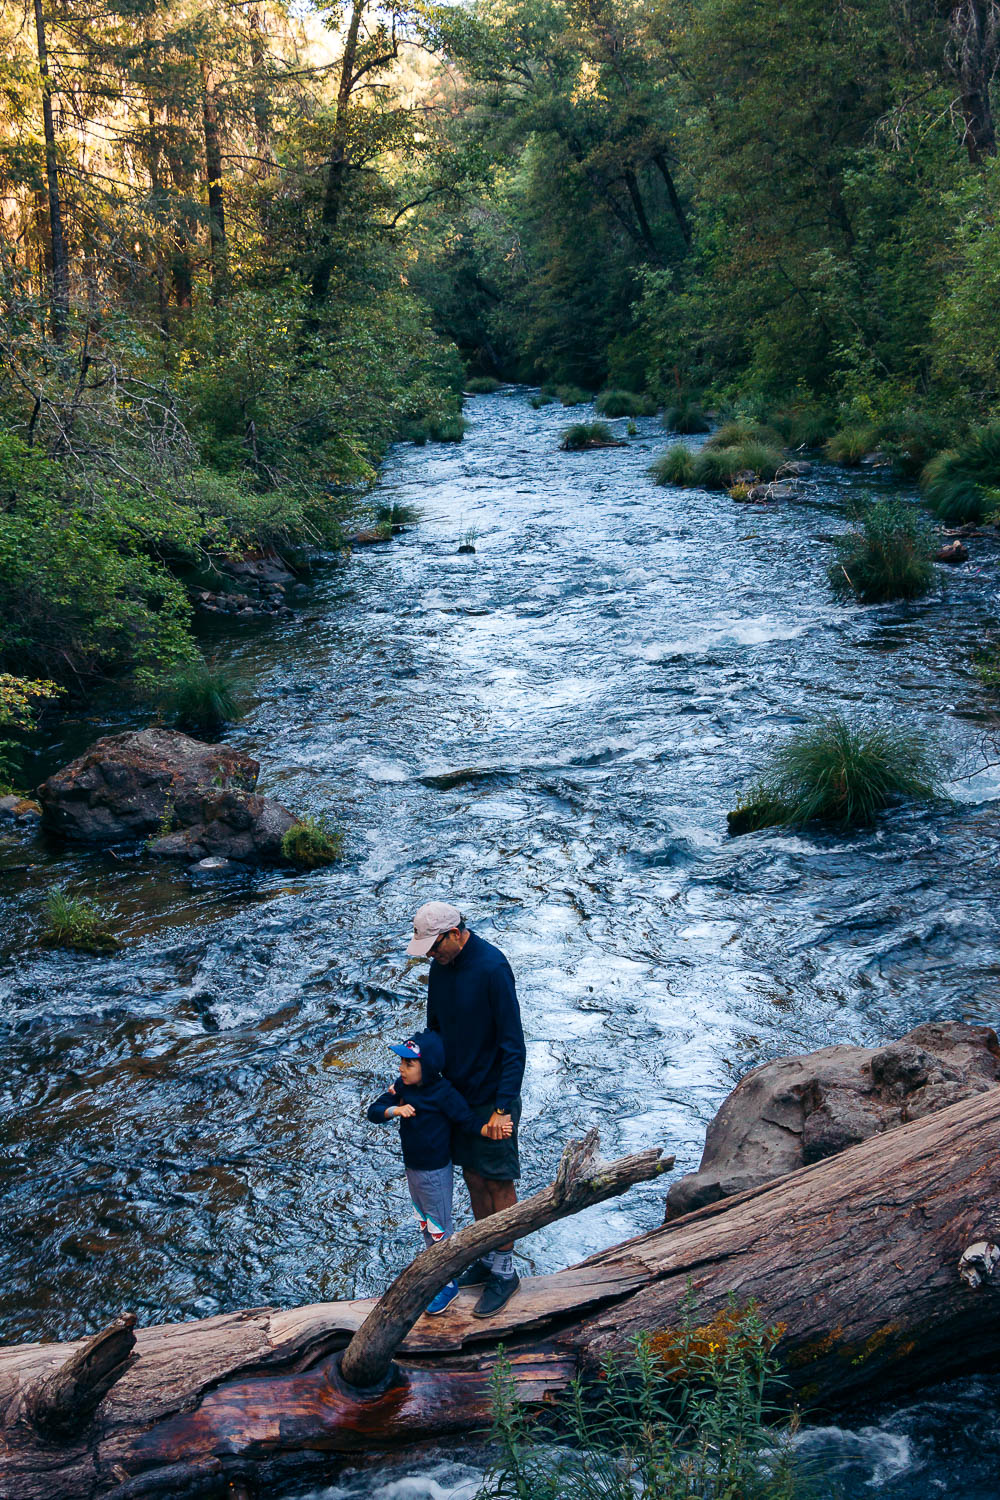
(551, 730)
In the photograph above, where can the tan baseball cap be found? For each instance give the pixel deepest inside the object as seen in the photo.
(429, 922)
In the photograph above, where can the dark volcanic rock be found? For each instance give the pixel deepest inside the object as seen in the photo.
(798, 1110)
(234, 825)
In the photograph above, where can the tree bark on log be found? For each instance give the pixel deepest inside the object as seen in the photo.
(879, 1266)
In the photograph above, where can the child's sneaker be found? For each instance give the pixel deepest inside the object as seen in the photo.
(444, 1298)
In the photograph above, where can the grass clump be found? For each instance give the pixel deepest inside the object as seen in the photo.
(76, 922)
(851, 444)
(740, 434)
(887, 555)
(624, 404)
(419, 431)
(395, 514)
(482, 385)
(676, 466)
(716, 468)
(803, 427)
(201, 698)
(837, 773)
(685, 417)
(958, 483)
(312, 842)
(685, 1416)
(587, 435)
(541, 398)
(571, 395)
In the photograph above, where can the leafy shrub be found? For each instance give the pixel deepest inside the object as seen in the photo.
(587, 435)
(75, 922)
(887, 555)
(482, 385)
(851, 445)
(912, 438)
(676, 466)
(956, 482)
(685, 417)
(571, 395)
(201, 698)
(624, 404)
(541, 398)
(312, 842)
(684, 1417)
(803, 427)
(837, 773)
(738, 434)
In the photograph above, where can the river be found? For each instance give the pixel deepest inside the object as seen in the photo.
(550, 732)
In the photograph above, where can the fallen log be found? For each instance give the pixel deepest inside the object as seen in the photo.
(879, 1268)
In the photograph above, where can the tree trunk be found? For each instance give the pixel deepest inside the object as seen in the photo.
(57, 238)
(261, 96)
(973, 27)
(878, 1266)
(337, 167)
(213, 172)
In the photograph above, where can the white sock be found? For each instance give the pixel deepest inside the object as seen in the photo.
(503, 1263)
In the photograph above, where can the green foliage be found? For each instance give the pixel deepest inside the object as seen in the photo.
(624, 404)
(571, 395)
(957, 482)
(540, 399)
(716, 468)
(676, 466)
(686, 417)
(803, 427)
(482, 385)
(684, 1417)
(738, 433)
(887, 556)
(840, 774)
(312, 842)
(851, 444)
(76, 922)
(201, 698)
(395, 514)
(587, 435)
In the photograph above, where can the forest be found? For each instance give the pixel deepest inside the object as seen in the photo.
(247, 247)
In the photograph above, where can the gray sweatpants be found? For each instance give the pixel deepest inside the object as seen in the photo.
(431, 1194)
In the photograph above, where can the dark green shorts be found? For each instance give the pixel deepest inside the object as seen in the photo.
(497, 1160)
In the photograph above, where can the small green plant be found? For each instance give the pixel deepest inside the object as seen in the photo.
(887, 555)
(685, 1416)
(840, 774)
(482, 385)
(851, 444)
(468, 538)
(201, 698)
(632, 429)
(624, 404)
(542, 398)
(958, 482)
(312, 842)
(76, 922)
(571, 395)
(685, 417)
(676, 466)
(395, 514)
(587, 435)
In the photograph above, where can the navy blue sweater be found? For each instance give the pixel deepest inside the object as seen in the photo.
(472, 1002)
(426, 1137)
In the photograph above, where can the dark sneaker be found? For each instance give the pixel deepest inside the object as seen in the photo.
(496, 1294)
(477, 1274)
(444, 1298)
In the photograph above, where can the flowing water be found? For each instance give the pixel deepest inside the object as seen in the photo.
(550, 732)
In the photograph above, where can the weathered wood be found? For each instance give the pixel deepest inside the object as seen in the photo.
(857, 1259)
(581, 1180)
(63, 1402)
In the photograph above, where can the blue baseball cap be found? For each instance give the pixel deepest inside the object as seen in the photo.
(406, 1049)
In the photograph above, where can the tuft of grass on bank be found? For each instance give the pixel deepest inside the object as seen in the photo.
(395, 514)
(624, 404)
(312, 842)
(738, 433)
(887, 556)
(583, 435)
(676, 466)
(852, 444)
(686, 417)
(838, 773)
(803, 427)
(201, 698)
(572, 395)
(482, 385)
(540, 399)
(958, 482)
(420, 430)
(76, 922)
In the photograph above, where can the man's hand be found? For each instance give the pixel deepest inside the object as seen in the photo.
(498, 1127)
(401, 1111)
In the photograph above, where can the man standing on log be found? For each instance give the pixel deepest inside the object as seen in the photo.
(472, 1003)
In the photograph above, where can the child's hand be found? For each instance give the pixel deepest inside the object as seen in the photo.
(403, 1111)
(499, 1130)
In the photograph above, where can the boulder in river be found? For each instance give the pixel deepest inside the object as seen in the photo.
(199, 798)
(797, 1110)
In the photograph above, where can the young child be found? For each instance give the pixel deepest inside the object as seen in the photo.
(426, 1106)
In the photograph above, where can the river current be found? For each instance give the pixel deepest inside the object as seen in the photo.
(549, 732)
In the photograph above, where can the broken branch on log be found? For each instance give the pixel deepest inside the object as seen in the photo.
(62, 1404)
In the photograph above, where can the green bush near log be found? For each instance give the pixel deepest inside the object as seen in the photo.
(959, 482)
(587, 435)
(839, 774)
(676, 467)
(887, 556)
(76, 922)
(624, 404)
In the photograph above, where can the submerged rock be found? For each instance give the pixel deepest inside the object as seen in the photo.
(798, 1110)
(19, 809)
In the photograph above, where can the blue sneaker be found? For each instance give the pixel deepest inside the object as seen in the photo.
(444, 1298)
